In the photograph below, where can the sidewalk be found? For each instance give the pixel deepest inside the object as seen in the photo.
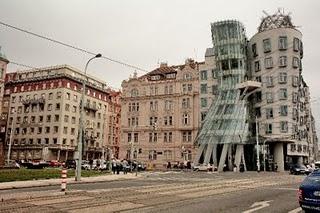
(54, 182)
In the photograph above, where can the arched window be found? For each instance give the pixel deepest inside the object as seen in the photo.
(134, 92)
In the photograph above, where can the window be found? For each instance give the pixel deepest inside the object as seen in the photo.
(214, 73)
(155, 77)
(167, 154)
(284, 110)
(258, 78)
(66, 118)
(203, 75)
(152, 155)
(187, 76)
(204, 89)
(268, 63)
(56, 118)
(283, 42)
(50, 96)
(282, 78)
(269, 81)
(284, 126)
(47, 129)
(171, 75)
(185, 103)
(153, 121)
(296, 43)
(49, 107)
(55, 129)
(257, 66)
(268, 128)
(57, 106)
(215, 90)
(258, 112)
(185, 119)
(168, 105)
(269, 113)
(39, 130)
(134, 93)
(136, 137)
(153, 137)
(154, 105)
(65, 130)
(269, 96)
(129, 137)
(186, 136)
(67, 107)
(58, 95)
(295, 62)
(167, 120)
(254, 50)
(295, 81)
(204, 102)
(267, 45)
(48, 118)
(68, 96)
(283, 95)
(73, 120)
(203, 115)
(74, 108)
(294, 97)
(282, 61)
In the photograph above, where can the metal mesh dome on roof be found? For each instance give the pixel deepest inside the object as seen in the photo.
(277, 20)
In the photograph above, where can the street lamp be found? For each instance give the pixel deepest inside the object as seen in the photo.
(80, 142)
(10, 140)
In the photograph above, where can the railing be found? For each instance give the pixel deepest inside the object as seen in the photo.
(33, 101)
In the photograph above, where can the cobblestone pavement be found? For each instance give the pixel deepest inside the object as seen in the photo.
(170, 191)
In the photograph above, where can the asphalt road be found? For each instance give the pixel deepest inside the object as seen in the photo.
(165, 192)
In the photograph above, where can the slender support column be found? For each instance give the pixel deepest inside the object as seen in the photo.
(208, 154)
(199, 154)
(278, 156)
(223, 157)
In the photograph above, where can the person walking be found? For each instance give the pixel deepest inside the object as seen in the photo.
(125, 166)
(114, 166)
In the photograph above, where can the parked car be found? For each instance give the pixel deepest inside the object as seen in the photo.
(55, 163)
(203, 168)
(85, 165)
(298, 169)
(11, 165)
(37, 164)
(309, 193)
(71, 164)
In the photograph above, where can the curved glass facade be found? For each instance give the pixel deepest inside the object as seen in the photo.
(225, 122)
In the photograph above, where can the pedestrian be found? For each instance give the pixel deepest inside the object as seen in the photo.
(118, 166)
(125, 166)
(91, 163)
(114, 166)
(169, 165)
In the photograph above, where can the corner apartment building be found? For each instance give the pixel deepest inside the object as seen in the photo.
(3, 69)
(282, 106)
(43, 114)
(160, 115)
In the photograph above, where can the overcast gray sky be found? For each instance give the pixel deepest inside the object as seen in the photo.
(142, 32)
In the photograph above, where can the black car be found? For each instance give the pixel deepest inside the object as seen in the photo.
(309, 193)
(71, 164)
(298, 169)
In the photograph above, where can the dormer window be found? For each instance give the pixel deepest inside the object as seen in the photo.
(171, 75)
(155, 77)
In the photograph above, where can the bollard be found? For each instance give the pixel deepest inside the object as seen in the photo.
(63, 179)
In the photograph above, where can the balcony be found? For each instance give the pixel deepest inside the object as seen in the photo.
(33, 101)
(90, 107)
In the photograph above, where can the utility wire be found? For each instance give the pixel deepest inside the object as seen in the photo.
(70, 46)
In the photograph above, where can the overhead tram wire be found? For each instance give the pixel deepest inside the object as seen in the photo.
(70, 46)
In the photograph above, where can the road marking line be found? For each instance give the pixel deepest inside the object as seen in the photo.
(295, 210)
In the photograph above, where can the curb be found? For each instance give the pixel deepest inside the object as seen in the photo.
(70, 183)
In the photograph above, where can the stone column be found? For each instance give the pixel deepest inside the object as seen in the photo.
(300, 160)
(278, 156)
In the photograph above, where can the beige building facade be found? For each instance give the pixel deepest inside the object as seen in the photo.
(160, 115)
(3, 69)
(43, 114)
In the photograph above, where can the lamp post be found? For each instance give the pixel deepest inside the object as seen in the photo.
(258, 147)
(80, 142)
(10, 140)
